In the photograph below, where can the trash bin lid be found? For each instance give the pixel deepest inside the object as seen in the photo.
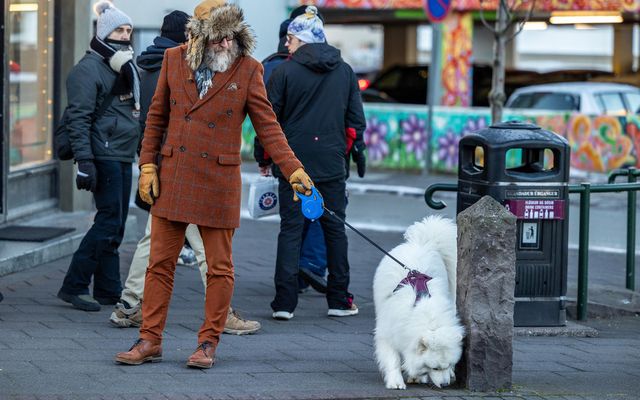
(515, 133)
(515, 125)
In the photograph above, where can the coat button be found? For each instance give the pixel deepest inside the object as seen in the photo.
(204, 155)
(187, 118)
(212, 125)
(183, 149)
(229, 112)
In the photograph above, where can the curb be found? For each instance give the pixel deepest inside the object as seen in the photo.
(572, 329)
(41, 255)
(55, 249)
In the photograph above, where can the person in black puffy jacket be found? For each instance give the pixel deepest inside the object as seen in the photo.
(315, 96)
(104, 146)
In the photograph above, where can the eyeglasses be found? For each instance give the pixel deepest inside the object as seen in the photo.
(228, 39)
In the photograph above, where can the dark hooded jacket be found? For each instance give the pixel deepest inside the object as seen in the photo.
(316, 96)
(150, 62)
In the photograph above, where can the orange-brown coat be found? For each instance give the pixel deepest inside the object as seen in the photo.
(199, 167)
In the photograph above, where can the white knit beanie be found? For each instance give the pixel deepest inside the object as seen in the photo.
(109, 18)
(308, 27)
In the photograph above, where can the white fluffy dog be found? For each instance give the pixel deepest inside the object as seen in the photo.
(421, 337)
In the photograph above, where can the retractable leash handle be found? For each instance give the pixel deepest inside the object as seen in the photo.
(313, 207)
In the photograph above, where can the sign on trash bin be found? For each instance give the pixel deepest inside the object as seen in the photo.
(536, 209)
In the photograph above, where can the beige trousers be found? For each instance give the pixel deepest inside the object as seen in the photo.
(133, 291)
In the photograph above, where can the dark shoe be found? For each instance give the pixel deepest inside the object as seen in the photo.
(82, 302)
(107, 301)
(141, 352)
(203, 357)
(315, 281)
(1, 297)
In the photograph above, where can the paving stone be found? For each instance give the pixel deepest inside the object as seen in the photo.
(56, 351)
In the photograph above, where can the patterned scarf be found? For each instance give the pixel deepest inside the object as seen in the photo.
(204, 79)
(128, 81)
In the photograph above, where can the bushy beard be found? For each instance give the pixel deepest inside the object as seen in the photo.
(221, 60)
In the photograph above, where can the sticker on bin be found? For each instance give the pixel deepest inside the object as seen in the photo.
(536, 209)
(519, 194)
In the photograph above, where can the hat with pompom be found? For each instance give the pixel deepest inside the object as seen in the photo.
(308, 27)
(109, 18)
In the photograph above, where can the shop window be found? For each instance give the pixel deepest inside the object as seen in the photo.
(30, 29)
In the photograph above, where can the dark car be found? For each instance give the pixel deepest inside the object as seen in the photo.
(408, 83)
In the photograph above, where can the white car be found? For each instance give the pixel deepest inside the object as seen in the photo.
(594, 98)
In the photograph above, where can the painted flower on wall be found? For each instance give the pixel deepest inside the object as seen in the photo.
(414, 135)
(473, 125)
(375, 136)
(448, 149)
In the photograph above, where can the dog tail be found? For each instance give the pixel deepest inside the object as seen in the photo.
(441, 234)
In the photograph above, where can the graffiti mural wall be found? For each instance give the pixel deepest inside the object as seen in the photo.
(467, 5)
(457, 41)
(396, 136)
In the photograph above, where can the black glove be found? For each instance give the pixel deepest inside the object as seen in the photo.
(87, 177)
(357, 154)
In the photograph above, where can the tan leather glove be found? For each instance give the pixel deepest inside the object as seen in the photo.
(300, 182)
(149, 184)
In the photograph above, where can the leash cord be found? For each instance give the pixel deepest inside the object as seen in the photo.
(367, 239)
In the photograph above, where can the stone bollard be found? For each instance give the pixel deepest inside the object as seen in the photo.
(486, 286)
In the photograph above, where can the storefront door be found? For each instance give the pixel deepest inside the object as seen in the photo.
(29, 171)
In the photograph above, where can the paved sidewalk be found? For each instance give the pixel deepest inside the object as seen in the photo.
(49, 350)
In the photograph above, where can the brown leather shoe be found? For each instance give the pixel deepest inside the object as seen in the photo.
(203, 357)
(142, 351)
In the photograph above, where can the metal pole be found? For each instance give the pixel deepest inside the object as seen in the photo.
(631, 232)
(583, 253)
(433, 88)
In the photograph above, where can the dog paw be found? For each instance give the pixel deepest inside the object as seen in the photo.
(424, 379)
(395, 384)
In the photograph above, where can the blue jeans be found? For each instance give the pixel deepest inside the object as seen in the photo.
(98, 255)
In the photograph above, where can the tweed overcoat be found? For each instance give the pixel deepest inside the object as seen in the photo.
(199, 167)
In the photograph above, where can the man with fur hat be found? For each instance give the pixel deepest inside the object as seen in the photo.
(316, 98)
(128, 310)
(204, 93)
(102, 120)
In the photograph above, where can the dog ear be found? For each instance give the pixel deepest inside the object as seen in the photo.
(423, 345)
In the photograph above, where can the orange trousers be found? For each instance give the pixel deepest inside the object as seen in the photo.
(167, 239)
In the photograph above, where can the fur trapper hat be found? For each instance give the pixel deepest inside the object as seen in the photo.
(215, 20)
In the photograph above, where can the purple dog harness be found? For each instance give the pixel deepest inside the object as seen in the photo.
(418, 281)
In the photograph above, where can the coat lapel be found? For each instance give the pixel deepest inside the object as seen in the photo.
(188, 80)
(220, 80)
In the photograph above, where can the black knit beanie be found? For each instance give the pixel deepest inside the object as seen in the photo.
(174, 26)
